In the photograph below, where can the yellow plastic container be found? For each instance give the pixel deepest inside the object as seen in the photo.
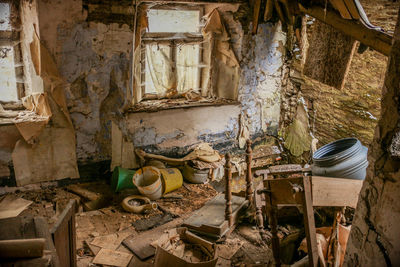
(171, 178)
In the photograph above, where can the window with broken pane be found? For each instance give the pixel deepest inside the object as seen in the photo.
(171, 53)
(11, 71)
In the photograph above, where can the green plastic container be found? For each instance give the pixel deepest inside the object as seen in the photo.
(122, 179)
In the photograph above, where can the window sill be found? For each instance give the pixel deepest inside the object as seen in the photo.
(165, 104)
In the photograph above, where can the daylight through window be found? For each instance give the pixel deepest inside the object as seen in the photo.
(172, 53)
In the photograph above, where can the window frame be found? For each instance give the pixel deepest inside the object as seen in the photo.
(13, 38)
(172, 38)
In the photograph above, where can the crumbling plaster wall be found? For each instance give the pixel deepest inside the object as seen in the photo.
(94, 59)
(92, 45)
(261, 60)
(374, 237)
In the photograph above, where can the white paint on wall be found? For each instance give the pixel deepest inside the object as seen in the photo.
(182, 127)
(8, 83)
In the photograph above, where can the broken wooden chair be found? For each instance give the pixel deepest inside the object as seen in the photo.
(300, 189)
(219, 216)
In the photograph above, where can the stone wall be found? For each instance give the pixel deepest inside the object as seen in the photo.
(354, 110)
(374, 238)
(94, 56)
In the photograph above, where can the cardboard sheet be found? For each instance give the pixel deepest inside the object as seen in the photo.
(46, 152)
(111, 241)
(112, 258)
(11, 206)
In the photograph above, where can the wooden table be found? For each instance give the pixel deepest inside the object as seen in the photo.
(305, 191)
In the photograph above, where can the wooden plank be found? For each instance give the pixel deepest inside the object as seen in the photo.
(28, 227)
(341, 7)
(282, 191)
(42, 230)
(326, 191)
(375, 39)
(269, 8)
(328, 61)
(351, 7)
(279, 10)
(116, 146)
(83, 192)
(129, 159)
(340, 192)
(285, 169)
(256, 14)
(63, 234)
(140, 244)
(273, 222)
(210, 219)
(309, 223)
(22, 248)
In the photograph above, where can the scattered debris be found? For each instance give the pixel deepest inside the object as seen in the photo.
(179, 247)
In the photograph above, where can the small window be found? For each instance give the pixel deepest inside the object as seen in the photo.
(11, 85)
(172, 47)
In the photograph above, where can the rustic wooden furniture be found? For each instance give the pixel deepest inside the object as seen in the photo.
(63, 235)
(219, 216)
(305, 191)
(29, 228)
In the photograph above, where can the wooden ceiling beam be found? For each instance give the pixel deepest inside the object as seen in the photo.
(377, 40)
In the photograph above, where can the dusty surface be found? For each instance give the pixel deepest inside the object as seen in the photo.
(48, 203)
(111, 224)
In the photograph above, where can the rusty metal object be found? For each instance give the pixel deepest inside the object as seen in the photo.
(228, 191)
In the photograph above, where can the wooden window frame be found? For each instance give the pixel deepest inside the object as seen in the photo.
(172, 38)
(13, 38)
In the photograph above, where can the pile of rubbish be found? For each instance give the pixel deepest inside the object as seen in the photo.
(161, 175)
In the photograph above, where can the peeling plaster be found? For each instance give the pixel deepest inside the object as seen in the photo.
(260, 85)
(94, 58)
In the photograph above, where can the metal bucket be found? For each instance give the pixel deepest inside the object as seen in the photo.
(344, 158)
(194, 175)
(171, 178)
(148, 182)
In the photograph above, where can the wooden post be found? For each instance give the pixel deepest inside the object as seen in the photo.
(309, 222)
(228, 191)
(249, 178)
(259, 215)
(272, 211)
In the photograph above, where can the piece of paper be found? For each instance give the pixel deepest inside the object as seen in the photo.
(111, 241)
(11, 206)
(112, 258)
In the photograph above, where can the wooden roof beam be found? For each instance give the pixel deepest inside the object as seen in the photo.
(377, 40)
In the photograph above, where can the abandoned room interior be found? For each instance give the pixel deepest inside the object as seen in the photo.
(199, 133)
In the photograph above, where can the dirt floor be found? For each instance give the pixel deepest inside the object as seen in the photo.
(113, 223)
(109, 225)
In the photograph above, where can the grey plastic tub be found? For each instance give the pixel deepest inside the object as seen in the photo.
(344, 158)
